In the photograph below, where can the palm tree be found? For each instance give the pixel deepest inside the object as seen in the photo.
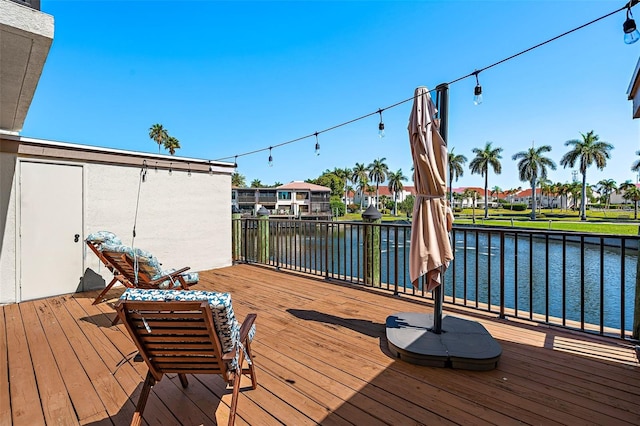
(158, 134)
(395, 186)
(564, 189)
(635, 167)
(533, 165)
(378, 171)
(495, 192)
(606, 187)
(456, 170)
(631, 193)
(363, 187)
(473, 194)
(588, 150)
(238, 180)
(510, 193)
(545, 189)
(358, 176)
(171, 144)
(256, 183)
(554, 188)
(486, 157)
(574, 189)
(344, 175)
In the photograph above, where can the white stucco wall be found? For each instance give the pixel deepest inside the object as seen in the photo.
(7, 228)
(184, 220)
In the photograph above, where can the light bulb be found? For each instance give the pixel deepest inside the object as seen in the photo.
(270, 158)
(317, 149)
(381, 125)
(631, 34)
(477, 95)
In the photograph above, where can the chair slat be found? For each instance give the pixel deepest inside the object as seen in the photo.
(180, 337)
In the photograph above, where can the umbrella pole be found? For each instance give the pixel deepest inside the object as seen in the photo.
(437, 307)
(442, 103)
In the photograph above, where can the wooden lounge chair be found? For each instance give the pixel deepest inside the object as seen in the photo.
(195, 333)
(135, 268)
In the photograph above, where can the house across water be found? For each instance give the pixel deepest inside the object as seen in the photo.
(293, 200)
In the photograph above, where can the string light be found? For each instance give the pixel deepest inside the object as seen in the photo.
(317, 145)
(156, 167)
(235, 162)
(631, 34)
(210, 168)
(380, 125)
(170, 170)
(628, 25)
(143, 172)
(189, 170)
(477, 92)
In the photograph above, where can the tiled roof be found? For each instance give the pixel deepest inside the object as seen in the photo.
(298, 185)
(527, 193)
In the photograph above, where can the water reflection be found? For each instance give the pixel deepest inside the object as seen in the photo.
(548, 276)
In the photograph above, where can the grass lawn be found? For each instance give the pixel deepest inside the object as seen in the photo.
(611, 222)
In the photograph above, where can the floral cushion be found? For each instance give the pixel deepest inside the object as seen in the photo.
(224, 318)
(102, 237)
(148, 264)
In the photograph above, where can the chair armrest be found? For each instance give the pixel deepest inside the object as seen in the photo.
(244, 333)
(246, 326)
(179, 271)
(172, 275)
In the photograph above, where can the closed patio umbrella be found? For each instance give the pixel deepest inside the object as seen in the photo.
(430, 251)
(434, 339)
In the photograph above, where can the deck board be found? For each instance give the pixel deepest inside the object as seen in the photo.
(321, 356)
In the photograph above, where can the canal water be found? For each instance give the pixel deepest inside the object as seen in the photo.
(546, 276)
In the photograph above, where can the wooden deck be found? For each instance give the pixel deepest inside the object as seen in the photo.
(321, 358)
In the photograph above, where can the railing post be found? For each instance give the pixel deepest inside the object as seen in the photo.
(263, 235)
(502, 275)
(372, 217)
(236, 234)
(636, 311)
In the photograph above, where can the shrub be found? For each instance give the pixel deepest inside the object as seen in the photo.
(515, 207)
(337, 207)
(353, 208)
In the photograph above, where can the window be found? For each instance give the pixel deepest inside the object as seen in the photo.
(284, 195)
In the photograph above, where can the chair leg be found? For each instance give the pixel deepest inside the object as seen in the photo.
(106, 289)
(142, 401)
(252, 369)
(234, 396)
(183, 380)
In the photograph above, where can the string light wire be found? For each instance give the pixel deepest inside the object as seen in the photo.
(626, 6)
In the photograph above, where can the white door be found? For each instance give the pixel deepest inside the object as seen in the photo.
(51, 243)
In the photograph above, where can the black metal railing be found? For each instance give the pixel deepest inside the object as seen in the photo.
(580, 281)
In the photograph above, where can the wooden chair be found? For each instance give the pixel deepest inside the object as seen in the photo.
(135, 268)
(183, 337)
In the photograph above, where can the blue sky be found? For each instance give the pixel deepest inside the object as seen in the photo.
(227, 78)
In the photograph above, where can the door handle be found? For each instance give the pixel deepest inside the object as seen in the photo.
(76, 238)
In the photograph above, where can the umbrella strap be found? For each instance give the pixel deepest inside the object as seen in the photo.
(430, 196)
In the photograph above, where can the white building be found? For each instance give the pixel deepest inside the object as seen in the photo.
(295, 199)
(52, 195)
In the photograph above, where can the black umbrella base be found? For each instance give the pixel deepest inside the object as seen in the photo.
(462, 343)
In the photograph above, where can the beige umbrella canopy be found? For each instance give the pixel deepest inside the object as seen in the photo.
(430, 246)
